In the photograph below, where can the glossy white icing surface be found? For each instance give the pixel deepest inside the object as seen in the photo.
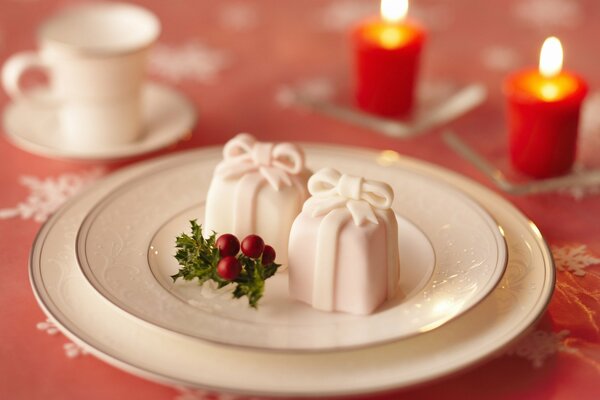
(258, 188)
(343, 253)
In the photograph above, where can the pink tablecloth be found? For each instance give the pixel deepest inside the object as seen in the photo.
(235, 59)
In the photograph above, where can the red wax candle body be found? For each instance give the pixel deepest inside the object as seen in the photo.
(386, 58)
(543, 119)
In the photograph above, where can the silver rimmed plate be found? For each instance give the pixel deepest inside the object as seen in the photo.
(157, 354)
(452, 255)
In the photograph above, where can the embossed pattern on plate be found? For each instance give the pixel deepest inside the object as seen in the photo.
(469, 250)
(417, 255)
(87, 318)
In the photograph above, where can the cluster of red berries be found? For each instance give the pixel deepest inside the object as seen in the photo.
(252, 246)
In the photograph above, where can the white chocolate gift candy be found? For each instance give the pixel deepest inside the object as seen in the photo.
(258, 188)
(343, 249)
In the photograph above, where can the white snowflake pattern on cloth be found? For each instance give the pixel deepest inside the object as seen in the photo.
(73, 350)
(47, 326)
(338, 16)
(549, 13)
(239, 17)
(46, 195)
(189, 61)
(319, 88)
(539, 345)
(194, 394)
(574, 259)
(500, 58)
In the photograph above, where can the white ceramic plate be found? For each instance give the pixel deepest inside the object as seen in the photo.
(157, 354)
(126, 245)
(168, 117)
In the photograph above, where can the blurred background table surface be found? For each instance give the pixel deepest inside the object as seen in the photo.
(237, 61)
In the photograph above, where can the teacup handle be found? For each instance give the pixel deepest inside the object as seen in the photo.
(13, 70)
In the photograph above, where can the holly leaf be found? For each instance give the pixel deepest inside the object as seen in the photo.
(198, 257)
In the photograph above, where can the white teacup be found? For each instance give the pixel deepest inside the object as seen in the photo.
(95, 56)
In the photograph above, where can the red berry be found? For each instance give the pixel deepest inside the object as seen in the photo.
(229, 268)
(268, 255)
(228, 245)
(253, 246)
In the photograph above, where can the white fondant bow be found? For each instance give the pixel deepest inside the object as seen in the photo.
(330, 190)
(276, 162)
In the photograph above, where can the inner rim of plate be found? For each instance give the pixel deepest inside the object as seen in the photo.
(469, 248)
(416, 251)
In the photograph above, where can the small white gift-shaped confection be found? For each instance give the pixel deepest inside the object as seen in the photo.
(343, 249)
(258, 188)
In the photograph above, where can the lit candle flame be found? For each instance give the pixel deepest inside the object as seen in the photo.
(394, 11)
(551, 57)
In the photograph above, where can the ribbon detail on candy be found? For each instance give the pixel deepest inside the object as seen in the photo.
(275, 162)
(337, 197)
(331, 190)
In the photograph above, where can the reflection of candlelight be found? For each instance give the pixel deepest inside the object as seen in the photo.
(543, 114)
(386, 55)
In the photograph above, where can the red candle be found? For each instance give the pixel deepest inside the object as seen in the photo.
(543, 115)
(386, 58)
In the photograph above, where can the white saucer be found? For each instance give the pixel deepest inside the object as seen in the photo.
(162, 356)
(127, 255)
(168, 117)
